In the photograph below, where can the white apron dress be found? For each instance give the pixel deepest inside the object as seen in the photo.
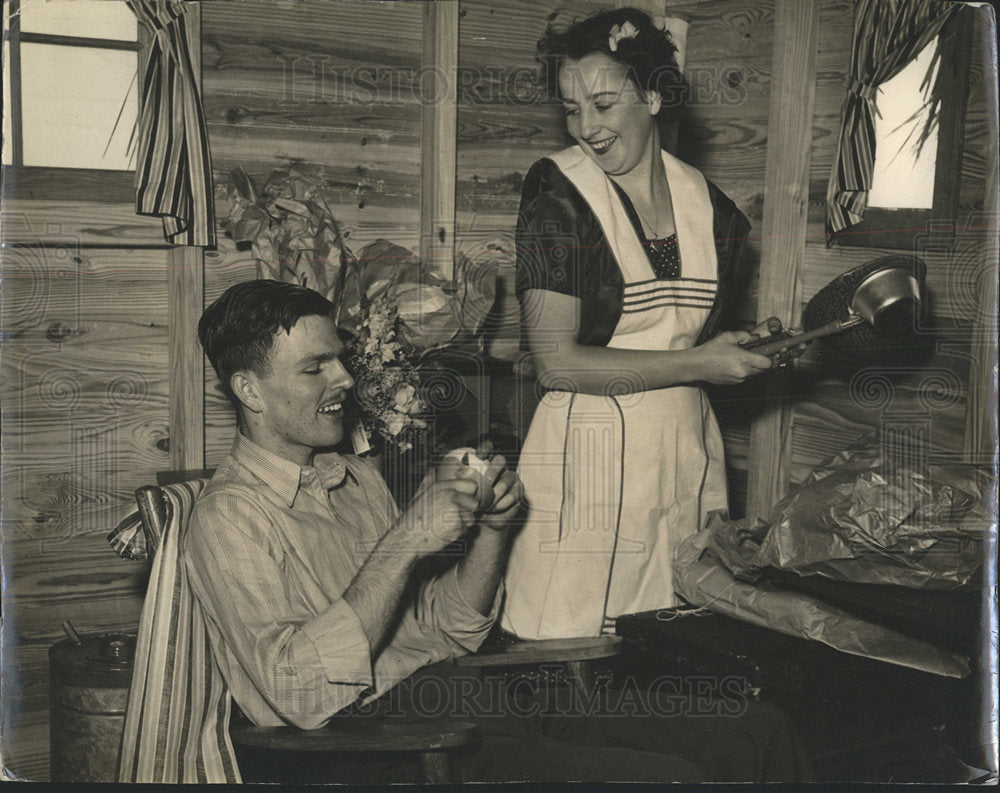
(613, 484)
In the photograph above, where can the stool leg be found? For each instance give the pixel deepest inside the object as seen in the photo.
(437, 769)
(582, 675)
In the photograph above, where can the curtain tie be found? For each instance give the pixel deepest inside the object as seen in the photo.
(862, 89)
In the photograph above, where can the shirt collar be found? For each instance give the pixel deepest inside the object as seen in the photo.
(285, 477)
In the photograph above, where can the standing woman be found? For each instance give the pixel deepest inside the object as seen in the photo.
(624, 258)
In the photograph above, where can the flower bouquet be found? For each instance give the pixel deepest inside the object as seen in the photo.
(400, 319)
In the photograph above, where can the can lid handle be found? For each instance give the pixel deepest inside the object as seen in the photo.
(74, 637)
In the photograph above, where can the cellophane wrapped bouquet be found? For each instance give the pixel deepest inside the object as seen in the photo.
(400, 318)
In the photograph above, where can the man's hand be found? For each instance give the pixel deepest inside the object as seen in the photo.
(508, 490)
(508, 493)
(440, 514)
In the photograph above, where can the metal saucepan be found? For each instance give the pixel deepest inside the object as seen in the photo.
(886, 294)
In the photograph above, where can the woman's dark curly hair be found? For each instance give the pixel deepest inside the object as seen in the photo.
(648, 57)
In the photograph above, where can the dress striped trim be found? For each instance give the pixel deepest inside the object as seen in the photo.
(173, 175)
(618, 516)
(682, 293)
(177, 718)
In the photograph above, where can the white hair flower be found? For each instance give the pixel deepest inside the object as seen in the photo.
(626, 30)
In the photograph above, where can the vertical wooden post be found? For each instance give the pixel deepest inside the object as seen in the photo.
(981, 405)
(186, 299)
(438, 136)
(14, 63)
(786, 202)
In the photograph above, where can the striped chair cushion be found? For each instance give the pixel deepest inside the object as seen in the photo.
(177, 719)
(128, 539)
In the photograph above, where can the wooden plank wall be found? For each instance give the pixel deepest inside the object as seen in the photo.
(332, 87)
(84, 389)
(786, 189)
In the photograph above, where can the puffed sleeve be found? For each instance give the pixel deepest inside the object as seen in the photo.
(555, 234)
(732, 230)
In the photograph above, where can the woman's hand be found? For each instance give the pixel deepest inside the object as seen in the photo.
(724, 362)
(772, 326)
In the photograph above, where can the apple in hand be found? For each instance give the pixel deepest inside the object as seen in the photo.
(474, 467)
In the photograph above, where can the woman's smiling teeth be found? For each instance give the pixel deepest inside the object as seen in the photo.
(332, 409)
(601, 146)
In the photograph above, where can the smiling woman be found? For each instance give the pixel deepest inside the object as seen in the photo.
(624, 258)
(607, 113)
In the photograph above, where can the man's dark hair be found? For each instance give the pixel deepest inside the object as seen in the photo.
(238, 330)
(648, 57)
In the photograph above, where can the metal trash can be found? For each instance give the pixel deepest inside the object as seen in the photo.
(88, 691)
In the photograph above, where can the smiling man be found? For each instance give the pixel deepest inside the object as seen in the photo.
(297, 554)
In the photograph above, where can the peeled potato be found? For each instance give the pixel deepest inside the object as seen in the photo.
(476, 468)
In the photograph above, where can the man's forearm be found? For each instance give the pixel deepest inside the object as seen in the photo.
(478, 572)
(377, 589)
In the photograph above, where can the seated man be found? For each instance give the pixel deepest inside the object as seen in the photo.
(320, 599)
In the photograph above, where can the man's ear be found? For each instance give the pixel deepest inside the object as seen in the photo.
(245, 389)
(655, 102)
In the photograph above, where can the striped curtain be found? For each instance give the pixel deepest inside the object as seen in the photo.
(173, 175)
(888, 34)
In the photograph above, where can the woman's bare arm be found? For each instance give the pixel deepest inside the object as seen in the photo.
(552, 322)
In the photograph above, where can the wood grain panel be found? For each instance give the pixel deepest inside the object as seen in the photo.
(355, 31)
(437, 144)
(952, 276)
(333, 87)
(185, 297)
(84, 387)
(26, 745)
(838, 403)
(85, 223)
(68, 184)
